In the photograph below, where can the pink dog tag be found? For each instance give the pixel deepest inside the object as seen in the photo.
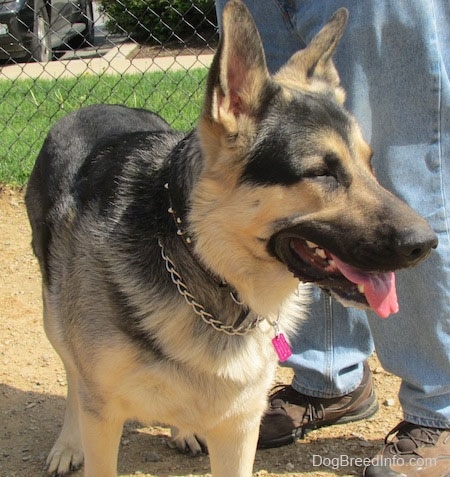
(282, 347)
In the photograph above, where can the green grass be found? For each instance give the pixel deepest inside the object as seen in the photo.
(28, 108)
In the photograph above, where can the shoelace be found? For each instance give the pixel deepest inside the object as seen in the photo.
(314, 410)
(423, 436)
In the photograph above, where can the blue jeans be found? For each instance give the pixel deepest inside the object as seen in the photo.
(394, 61)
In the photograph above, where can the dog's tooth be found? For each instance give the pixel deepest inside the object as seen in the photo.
(321, 253)
(331, 263)
(361, 288)
(311, 244)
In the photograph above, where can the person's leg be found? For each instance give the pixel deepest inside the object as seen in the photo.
(331, 384)
(329, 349)
(396, 56)
(393, 61)
(415, 163)
(417, 167)
(394, 64)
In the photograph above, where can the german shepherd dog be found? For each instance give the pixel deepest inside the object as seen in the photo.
(170, 262)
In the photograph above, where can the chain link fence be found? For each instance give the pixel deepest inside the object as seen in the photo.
(56, 56)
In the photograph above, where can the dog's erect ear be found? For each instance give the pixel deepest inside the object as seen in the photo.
(312, 68)
(238, 72)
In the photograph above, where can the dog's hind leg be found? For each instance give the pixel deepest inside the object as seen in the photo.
(186, 443)
(232, 449)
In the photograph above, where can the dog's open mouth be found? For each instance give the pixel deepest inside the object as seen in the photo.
(311, 263)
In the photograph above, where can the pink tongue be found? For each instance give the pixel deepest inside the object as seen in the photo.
(379, 288)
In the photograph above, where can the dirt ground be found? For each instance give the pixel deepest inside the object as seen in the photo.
(33, 386)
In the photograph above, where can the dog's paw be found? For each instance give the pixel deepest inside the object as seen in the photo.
(187, 443)
(64, 458)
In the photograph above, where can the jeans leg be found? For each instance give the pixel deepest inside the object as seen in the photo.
(395, 69)
(414, 162)
(329, 349)
(394, 64)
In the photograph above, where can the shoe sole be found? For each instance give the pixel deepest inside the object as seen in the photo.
(300, 432)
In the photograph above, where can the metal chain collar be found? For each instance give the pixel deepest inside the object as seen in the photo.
(197, 307)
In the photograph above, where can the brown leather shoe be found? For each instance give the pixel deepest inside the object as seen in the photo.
(415, 451)
(292, 414)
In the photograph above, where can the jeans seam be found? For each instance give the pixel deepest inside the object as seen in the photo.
(288, 22)
(439, 123)
(425, 421)
(328, 310)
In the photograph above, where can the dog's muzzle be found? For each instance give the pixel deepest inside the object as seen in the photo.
(311, 263)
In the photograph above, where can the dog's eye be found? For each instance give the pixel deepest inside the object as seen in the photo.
(327, 167)
(322, 176)
(319, 172)
(322, 172)
(326, 172)
(329, 172)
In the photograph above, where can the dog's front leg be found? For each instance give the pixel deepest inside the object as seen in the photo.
(232, 449)
(101, 439)
(67, 453)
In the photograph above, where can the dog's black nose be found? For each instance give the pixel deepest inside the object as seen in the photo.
(416, 243)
